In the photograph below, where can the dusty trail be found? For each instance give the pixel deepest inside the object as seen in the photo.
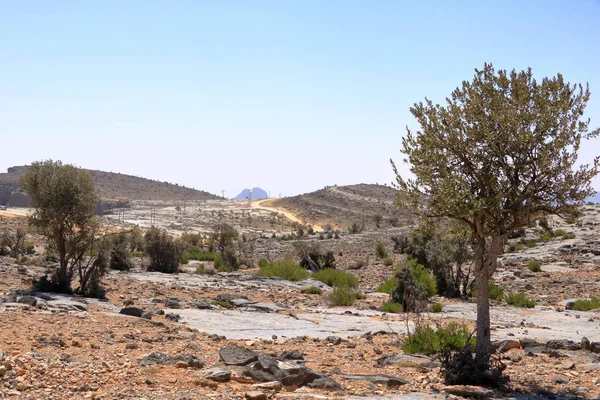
(264, 204)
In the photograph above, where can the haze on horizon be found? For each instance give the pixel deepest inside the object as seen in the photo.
(286, 96)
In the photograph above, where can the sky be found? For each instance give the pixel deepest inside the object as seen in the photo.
(289, 96)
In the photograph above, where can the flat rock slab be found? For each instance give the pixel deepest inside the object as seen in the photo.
(541, 324)
(252, 325)
(469, 391)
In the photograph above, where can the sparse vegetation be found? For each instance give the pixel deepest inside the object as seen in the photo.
(164, 252)
(495, 292)
(380, 251)
(391, 307)
(587, 304)
(335, 278)
(437, 308)
(312, 290)
(387, 286)
(388, 261)
(433, 341)
(342, 296)
(519, 300)
(414, 286)
(286, 269)
(534, 266)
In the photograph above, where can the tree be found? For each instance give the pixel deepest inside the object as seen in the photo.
(223, 236)
(502, 150)
(164, 252)
(377, 218)
(64, 199)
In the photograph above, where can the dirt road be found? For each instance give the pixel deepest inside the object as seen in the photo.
(265, 204)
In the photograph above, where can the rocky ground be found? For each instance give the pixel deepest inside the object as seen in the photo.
(234, 336)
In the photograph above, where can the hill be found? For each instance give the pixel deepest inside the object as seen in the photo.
(341, 206)
(254, 194)
(110, 185)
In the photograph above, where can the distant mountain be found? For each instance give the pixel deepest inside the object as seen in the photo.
(254, 194)
(110, 186)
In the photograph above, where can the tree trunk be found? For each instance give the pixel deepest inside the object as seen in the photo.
(485, 265)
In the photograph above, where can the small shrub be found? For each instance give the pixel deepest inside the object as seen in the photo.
(165, 253)
(520, 247)
(356, 228)
(285, 269)
(359, 264)
(519, 300)
(312, 290)
(332, 277)
(437, 308)
(560, 232)
(387, 286)
(534, 266)
(569, 235)
(392, 307)
(262, 263)
(196, 253)
(587, 304)
(342, 296)
(388, 261)
(546, 236)
(429, 341)
(530, 245)
(495, 292)
(224, 304)
(414, 286)
(380, 251)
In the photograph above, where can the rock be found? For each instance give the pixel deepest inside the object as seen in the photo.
(154, 359)
(171, 303)
(563, 344)
(207, 383)
(150, 381)
(255, 395)
(595, 347)
(2, 370)
(236, 355)
(506, 345)
(67, 305)
(291, 355)
(219, 375)
(191, 360)
(404, 360)
(326, 383)
(468, 391)
(275, 386)
(567, 365)
(560, 381)
(226, 297)
(182, 364)
(29, 300)
(531, 346)
(203, 305)
(585, 344)
(132, 311)
(335, 340)
(240, 302)
(131, 346)
(147, 315)
(569, 305)
(173, 317)
(162, 359)
(381, 379)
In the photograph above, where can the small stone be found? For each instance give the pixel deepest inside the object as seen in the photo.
(147, 315)
(173, 317)
(275, 385)
(132, 311)
(219, 375)
(206, 383)
(585, 344)
(335, 340)
(255, 395)
(567, 365)
(150, 381)
(377, 350)
(182, 364)
(131, 346)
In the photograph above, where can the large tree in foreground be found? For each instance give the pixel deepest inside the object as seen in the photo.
(64, 200)
(501, 150)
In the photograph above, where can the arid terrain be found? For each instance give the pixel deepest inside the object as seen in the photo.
(202, 334)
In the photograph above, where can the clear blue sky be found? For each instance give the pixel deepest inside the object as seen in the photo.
(286, 95)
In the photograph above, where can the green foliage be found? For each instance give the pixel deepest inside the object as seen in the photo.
(414, 286)
(224, 304)
(332, 277)
(587, 304)
(286, 269)
(437, 308)
(312, 290)
(391, 307)
(64, 199)
(311, 257)
(530, 245)
(519, 300)
(387, 286)
(263, 262)
(358, 264)
(495, 292)
(560, 232)
(546, 237)
(569, 235)
(164, 252)
(356, 228)
(342, 296)
(388, 261)
(429, 341)
(380, 251)
(534, 266)
(197, 253)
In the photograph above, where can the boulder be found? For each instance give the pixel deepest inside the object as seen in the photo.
(132, 311)
(219, 375)
(236, 355)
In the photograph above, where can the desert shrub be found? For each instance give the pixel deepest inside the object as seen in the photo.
(377, 218)
(312, 290)
(433, 341)
(230, 260)
(356, 228)
(164, 252)
(380, 251)
(199, 254)
(91, 285)
(463, 368)
(286, 269)
(546, 237)
(414, 286)
(534, 266)
(587, 304)
(312, 258)
(342, 296)
(263, 262)
(388, 261)
(437, 308)
(222, 303)
(495, 292)
(358, 264)
(4, 251)
(332, 277)
(530, 245)
(391, 307)
(569, 235)
(393, 221)
(570, 220)
(400, 243)
(193, 239)
(387, 286)
(560, 232)
(119, 259)
(519, 300)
